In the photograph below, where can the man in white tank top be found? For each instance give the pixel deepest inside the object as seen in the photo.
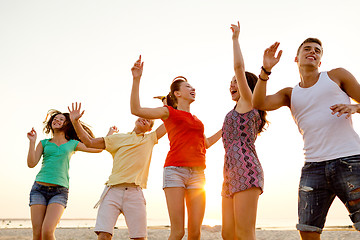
(320, 105)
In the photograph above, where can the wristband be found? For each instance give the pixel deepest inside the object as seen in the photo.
(266, 72)
(263, 79)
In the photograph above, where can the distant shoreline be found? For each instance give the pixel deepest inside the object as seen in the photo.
(76, 223)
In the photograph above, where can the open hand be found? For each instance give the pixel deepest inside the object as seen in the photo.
(75, 112)
(344, 109)
(269, 60)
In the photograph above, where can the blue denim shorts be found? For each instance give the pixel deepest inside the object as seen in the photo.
(320, 183)
(185, 177)
(45, 195)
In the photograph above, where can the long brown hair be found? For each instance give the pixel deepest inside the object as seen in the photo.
(68, 128)
(252, 80)
(171, 99)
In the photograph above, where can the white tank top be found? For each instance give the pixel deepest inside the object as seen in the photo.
(326, 136)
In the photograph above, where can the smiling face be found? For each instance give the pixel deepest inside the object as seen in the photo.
(234, 90)
(186, 92)
(143, 125)
(309, 54)
(58, 122)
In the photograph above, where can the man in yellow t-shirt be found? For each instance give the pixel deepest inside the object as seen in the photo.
(123, 191)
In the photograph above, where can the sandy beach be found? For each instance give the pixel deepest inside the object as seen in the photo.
(159, 233)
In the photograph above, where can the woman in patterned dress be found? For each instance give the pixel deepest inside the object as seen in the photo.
(243, 174)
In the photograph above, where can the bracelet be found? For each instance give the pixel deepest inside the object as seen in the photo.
(263, 79)
(162, 98)
(266, 72)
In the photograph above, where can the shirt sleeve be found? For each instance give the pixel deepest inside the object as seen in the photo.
(76, 143)
(153, 137)
(113, 142)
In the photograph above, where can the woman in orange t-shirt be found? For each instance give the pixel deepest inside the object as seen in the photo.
(184, 177)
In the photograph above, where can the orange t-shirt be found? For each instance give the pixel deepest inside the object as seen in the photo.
(187, 141)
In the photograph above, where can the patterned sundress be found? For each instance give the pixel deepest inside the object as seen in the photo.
(242, 169)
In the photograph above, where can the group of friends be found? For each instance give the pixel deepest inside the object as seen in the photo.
(320, 105)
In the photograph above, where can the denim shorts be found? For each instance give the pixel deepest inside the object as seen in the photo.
(185, 177)
(320, 183)
(45, 195)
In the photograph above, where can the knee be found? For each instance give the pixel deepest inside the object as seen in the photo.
(48, 233)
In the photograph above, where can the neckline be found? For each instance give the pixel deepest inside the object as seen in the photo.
(243, 112)
(320, 74)
(56, 144)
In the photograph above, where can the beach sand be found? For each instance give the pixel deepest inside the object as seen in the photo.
(160, 233)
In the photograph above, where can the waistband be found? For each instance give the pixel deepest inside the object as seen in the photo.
(121, 185)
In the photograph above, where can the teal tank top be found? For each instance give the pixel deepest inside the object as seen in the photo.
(55, 164)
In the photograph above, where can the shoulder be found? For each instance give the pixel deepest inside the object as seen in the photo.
(74, 143)
(286, 92)
(44, 141)
(338, 74)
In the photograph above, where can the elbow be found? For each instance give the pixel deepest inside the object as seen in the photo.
(87, 142)
(30, 165)
(258, 106)
(134, 110)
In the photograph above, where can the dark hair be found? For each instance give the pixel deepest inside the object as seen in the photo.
(68, 128)
(171, 99)
(309, 40)
(252, 80)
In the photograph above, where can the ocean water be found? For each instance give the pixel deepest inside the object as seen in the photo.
(279, 224)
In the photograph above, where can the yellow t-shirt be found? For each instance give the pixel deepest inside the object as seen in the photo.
(132, 155)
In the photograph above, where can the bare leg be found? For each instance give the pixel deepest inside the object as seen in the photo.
(176, 208)
(195, 202)
(245, 208)
(37, 212)
(228, 220)
(104, 236)
(53, 214)
(309, 235)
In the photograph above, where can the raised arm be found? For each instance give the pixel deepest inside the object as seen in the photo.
(351, 86)
(213, 139)
(34, 156)
(239, 68)
(271, 102)
(89, 144)
(136, 109)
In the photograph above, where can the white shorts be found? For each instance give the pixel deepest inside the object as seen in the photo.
(127, 200)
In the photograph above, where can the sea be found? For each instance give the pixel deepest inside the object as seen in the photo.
(265, 224)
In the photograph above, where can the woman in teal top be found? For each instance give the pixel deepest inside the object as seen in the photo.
(48, 196)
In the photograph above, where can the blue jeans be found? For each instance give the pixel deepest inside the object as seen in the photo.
(45, 195)
(320, 183)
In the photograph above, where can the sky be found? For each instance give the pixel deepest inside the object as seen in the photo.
(53, 53)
